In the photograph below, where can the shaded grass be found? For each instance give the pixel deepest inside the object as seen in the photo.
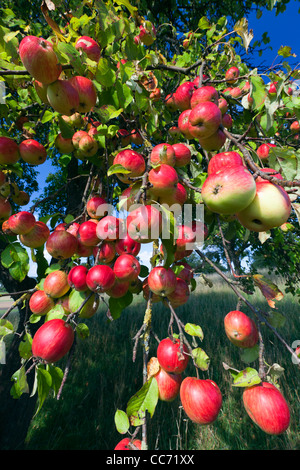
(103, 378)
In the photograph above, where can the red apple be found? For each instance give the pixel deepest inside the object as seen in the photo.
(186, 273)
(144, 224)
(223, 105)
(105, 253)
(183, 95)
(87, 147)
(229, 190)
(123, 136)
(127, 268)
(37, 236)
(64, 145)
(204, 93)
(180, 295)
(179, 196)
(53, 340)
(168, 385)
(272, 173)
(295, 127)
(63, 97)
(21, 222)
(136, 137)
(125, 444)
(40, 303)
(184, 124)
(272, 89)
(240, 329)
(5, 209)
(163, 153)
(271, 207)
(232, 75)
(186, 237)
(227, 121)
(163, 178)
(183, 154)
(39, 59)
(56, 284)
(119, 289)
(236, 92)
(147, 33)
(162, 281)
(87, 233)
(77, 136)
(100, 278)
(172, 356)
(61, 244)
(263, 151)
(41, 90)
(132, 161)
(89, 46)
(214, 142)
(201, 399)
(108, 228)
(86, 92)
(267, 407)
(224, 160)
(93, 206)
(9, 151)
(171, 102)
(127, 245)
(205, 119)
(32, 152)
(77, 277)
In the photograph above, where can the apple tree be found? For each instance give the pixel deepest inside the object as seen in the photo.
(190, 152)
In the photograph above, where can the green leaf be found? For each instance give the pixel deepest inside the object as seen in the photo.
(194, 330)
(144, 400)
(56, 374)
(250, 354)
(25, 346)
(6, 327)
(258, 91)
(117, 305)
(201, 358)
(105, 74)
(117, 168)
(20, 385)
(246, 378)
(44, 382)
(82, 330)
(121, 421)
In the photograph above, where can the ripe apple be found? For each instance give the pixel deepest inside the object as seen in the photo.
(204, 93)
(124, 137)
(100, 278)
(21, 199)
(205, 119)
(224, 160)
(272, 88)
(127, 245)
(87, 233)
(64, 145)
(77, 277)
(93, 206)
(89, 46)
(125, 444)
(108, 228)
(56, 284)
(61, 244)
(267, 407)
(227, 121)
(271, 207)
(232, 74)
(236, 92)
(263, 151)
(172, 356)
(119, 289)
(9, 151)
(87, 147)
(183, 154)
(144, 224)
(63, 97)
(5, 209)
(136, 137)
(86, 92)
(40, 303)
(39, 59)
(186, 272)
(179, 196)
(240, 329)
(223, 105)
(147, 33)
(201, 399)
(184, 124)
(53, 340)
(132, 161)
(183, 95)
(272, 173)
(295, 127)
(168, 385)
(229, 190)
(163, 153)
(170, 102)
(214, 142)
(162, 281)
(32, 152)
(41, 90)
(127, 268)
(163, 178)
(77, 136)
(180, 295)
(21, 222)
(37, 236)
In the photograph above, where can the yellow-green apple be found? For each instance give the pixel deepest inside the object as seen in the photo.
(53, 340)
(127, 267)
(181, 293)
(87, 233)
(168, 385)
(163, 153)
(86, 92)
(63, 97)
(108, 228)
(21, 199)
(144, 224)
(224, 160)
(77, 277)
(172, 355)
(214, 142)
(32, 152)
(37, 236)
(21, 222)
(40, 303)
(39, 59)
(204, 93)
(162, 281)
(270, 208)
(56, 284)
(9, 151)
(263, 151)
(163, 179)
(105, 252)
(201, 399)
(205, 119)
(87, 147)
(41, 90)
(89, 46)
(61, 244)
(64, 145)
(132, 161)
(100, 278)
(240, 329)
(183, 154)
(232, 74)
(267, 408)
(183, 95)
(229, 191)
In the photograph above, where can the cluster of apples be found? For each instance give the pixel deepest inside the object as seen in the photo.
(264, 403)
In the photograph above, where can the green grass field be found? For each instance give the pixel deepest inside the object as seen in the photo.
(103, 378)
